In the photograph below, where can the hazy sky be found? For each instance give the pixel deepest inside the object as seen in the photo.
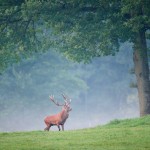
(108, 95)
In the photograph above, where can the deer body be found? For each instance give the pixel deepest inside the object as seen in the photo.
(58, 119)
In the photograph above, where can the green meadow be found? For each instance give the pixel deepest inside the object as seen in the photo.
(128, 134)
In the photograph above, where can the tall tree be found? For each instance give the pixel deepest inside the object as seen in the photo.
(81, 30)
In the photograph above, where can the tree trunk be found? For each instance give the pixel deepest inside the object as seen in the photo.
(140, 58)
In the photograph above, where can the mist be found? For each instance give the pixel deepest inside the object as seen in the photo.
(100, 91)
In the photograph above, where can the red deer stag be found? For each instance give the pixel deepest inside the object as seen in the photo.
(61, 117)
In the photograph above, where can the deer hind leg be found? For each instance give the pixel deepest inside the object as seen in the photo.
(48, 125)
(47, 128)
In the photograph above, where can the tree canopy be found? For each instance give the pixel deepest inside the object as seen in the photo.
(80, 30)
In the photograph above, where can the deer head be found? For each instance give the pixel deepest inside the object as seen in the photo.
(66, 104)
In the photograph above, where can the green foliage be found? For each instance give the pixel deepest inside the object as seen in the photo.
(105, 137)
(80, 30)
(18, 38)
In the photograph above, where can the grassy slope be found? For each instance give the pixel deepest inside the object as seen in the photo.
(130, 134)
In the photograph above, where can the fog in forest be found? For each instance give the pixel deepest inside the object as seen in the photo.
(100, 91)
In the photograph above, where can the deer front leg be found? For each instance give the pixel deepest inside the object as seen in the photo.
(58, 127)
(62, 127)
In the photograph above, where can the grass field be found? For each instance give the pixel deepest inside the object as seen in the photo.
(129, 134)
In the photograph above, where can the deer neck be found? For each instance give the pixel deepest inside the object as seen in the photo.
(64, 114)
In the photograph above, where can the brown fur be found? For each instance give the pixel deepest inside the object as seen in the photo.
(58, 119)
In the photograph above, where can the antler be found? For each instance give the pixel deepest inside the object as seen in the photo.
(55, 102)
(67, 99)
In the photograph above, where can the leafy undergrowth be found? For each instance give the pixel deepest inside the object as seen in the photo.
(129, 134)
